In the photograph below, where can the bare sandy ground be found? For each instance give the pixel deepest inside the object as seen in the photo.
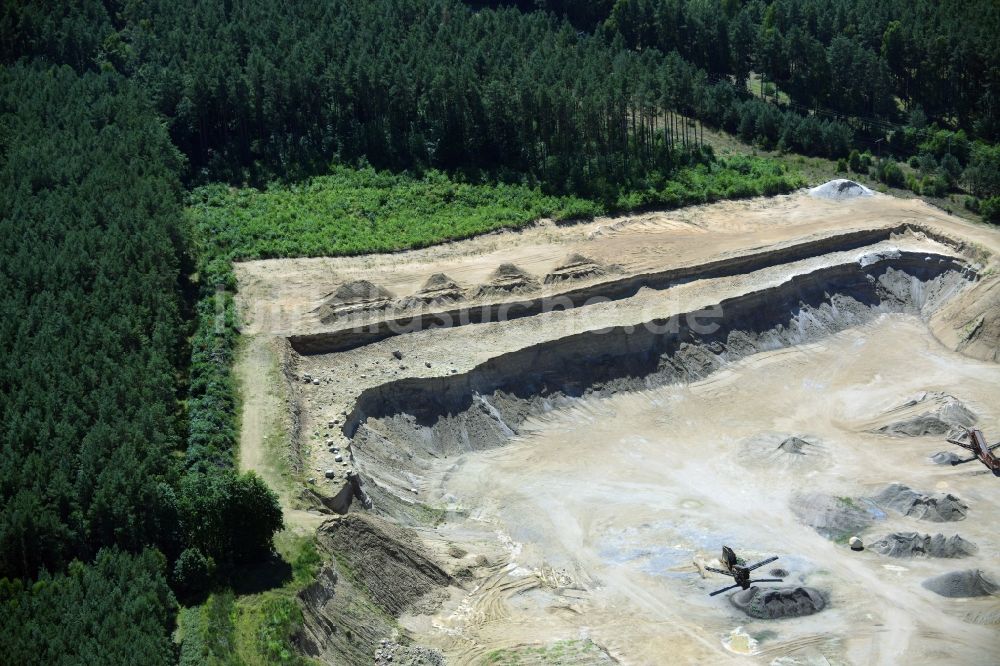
(280, 295)
(590, 525)
(605, 505)
(265, 425)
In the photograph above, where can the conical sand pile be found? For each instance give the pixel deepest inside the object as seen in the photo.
(352, 298)
(508, 279)
(576, 267)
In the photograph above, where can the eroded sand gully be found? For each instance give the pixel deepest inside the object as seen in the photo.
(572, 484)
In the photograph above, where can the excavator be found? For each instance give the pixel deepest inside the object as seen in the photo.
(740, 572)
(976, 442)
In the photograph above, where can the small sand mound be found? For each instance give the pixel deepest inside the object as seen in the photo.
(509, 271)
(575, 259)
(911, 544)
(938, 508)
(795, 446)
(834, 517)
(945, 458)
(438, 281)
(507, 279)
(576, 267)
(781, 448)
(928, 413)
(839, 189)
(439, 288)
(960, 584)
(352, 298)
(775, 603)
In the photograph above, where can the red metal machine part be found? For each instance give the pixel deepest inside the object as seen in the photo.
(981, 450)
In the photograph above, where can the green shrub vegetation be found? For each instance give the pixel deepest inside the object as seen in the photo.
(208, 632)
(355, 211)
(254, 628)
(889, 173)
(982, 177)
(989, 208)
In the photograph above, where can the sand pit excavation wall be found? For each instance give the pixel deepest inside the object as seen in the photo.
(503, 456)
(352, 336)
(485, 406)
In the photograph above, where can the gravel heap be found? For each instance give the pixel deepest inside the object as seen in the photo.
(772, 603)
(959, 584)
(440, 288)
(938, 508)
(575, 267)
(911, 544)
(930, 413)
(833, 517)
(945, 457)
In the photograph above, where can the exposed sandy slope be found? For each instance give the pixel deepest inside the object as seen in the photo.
(619, 495)
(280, 295)
(587, 526)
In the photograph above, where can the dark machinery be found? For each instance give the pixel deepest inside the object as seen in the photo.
(740, 571)
(980, 449)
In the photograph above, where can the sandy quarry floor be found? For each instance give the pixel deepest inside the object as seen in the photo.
(587, 527)
(613, 498)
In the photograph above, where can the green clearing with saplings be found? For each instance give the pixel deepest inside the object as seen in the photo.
(360, 211)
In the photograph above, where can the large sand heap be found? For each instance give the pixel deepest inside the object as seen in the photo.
(508, 279)
(912, 544)
(360, 291)
(839, 189)
(937, 508)
(354, 297)
(576, 267)
(961, 584)
(833, 517)
(929, 413)
(439, 288)
(772, 603)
